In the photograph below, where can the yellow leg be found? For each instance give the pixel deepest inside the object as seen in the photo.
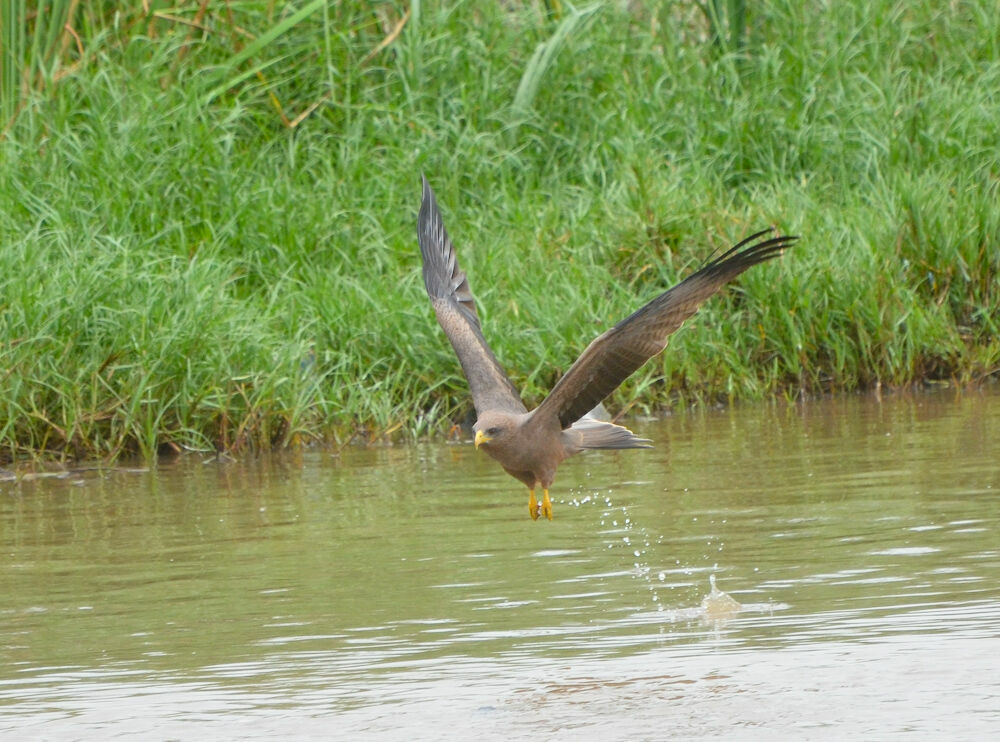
(546, 505)
(532, 505)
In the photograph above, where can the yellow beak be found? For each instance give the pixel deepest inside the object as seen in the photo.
(481, 438)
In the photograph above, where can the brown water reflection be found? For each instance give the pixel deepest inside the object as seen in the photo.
(404, 588)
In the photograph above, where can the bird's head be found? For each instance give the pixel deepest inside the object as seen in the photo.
(494, 429)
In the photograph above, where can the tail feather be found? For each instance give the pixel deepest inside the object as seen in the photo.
(589, 433)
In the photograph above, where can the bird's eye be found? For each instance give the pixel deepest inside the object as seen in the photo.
(492, 432)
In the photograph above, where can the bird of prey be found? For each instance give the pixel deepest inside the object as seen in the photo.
(531, 445)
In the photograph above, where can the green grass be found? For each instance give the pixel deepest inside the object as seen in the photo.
(207, 228)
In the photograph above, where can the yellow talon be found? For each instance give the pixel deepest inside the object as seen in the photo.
(546, 505)
(532, 505)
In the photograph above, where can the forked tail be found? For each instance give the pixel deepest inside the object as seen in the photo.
(589, 433)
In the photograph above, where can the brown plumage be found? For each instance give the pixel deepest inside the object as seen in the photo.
(531, 445)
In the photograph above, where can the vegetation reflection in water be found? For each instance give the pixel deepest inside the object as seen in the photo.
(365, 587)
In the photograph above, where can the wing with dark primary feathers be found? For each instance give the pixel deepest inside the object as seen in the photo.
(619, 352)
(455, 307)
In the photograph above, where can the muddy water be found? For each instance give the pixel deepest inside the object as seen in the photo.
(403, 593)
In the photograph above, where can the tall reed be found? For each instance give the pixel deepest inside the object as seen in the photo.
(207, 228)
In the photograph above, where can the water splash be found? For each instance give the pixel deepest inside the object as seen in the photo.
(718, 604)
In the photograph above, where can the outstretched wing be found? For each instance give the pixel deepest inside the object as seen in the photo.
(619, 352)
(455, 308)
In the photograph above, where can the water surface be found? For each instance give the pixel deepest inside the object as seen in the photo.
(403, 592)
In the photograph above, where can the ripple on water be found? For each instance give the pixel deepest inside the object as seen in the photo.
(403, 589)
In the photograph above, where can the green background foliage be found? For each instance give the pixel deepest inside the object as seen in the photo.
(207, 208)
